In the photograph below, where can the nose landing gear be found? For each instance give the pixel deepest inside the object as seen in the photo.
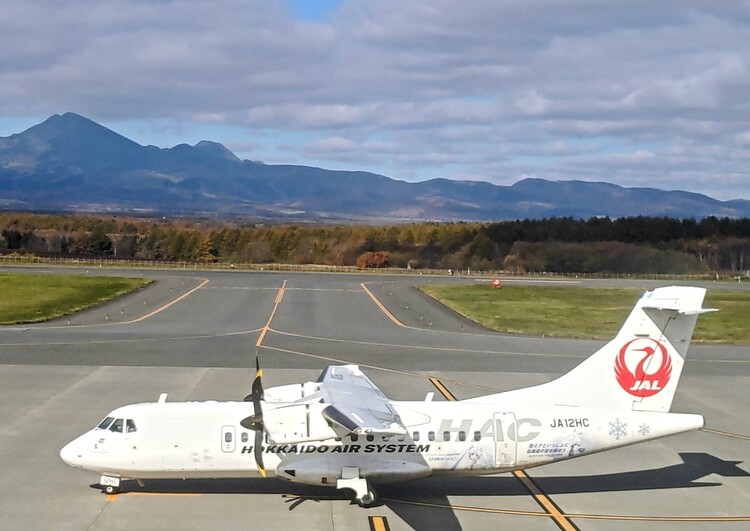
(110, 484)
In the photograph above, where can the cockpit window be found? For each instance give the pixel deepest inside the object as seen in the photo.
(130, 426)
(103, 425)
(116, 426)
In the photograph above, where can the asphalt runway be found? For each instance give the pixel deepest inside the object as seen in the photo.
(193, 334)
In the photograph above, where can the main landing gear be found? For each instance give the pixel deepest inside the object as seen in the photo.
(364, 495)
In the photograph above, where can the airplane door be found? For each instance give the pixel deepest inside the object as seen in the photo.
(505, 439)
(227, 438)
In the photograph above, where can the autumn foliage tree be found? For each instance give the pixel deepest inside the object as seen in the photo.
(561, 245)
(373, 259)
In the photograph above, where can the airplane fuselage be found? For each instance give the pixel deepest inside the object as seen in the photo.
(204, 439)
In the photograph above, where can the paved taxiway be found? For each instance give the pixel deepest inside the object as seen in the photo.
(193, 334)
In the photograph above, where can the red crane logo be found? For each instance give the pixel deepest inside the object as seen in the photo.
(651, 373)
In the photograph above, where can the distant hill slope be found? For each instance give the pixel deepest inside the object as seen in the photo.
(71, 163)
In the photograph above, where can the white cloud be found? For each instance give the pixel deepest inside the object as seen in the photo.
(627, 91)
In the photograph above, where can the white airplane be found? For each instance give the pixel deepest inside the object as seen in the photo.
(341, 431)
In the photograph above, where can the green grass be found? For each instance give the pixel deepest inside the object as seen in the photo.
(36, 298)
(582, 312)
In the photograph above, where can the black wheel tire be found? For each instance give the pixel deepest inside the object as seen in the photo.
(109, 489)
(368, 500)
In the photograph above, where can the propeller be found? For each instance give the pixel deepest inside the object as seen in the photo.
(255, 421)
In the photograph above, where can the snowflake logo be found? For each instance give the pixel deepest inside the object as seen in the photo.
(644, 429)
(618, 429)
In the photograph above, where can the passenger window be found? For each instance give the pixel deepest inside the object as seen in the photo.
(228, 437)
(116, 426)
(244, 436)
(130, 426)
(477, 435)
(431, 435)
(446, 436)
(370, 438)
(461, 435)
(401, 438)
(415, 436)
(386, 438)
(103, 425)
(355, 438)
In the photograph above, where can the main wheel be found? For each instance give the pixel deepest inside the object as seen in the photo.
(368, 500)
(109, 489)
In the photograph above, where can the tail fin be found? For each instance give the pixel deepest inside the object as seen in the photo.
(640, 368)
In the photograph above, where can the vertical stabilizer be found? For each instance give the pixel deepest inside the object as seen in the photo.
(641, 367)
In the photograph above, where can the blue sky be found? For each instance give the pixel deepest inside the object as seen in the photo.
(635, 92)
(313, 10)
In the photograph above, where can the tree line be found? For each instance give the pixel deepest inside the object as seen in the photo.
(561, 245)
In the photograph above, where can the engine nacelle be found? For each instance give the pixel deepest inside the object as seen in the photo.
(291, 393)
(297, 423)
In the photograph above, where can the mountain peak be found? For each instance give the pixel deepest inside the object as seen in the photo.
(68, 140)
(73, 128)
(69, 162)
(216, 149)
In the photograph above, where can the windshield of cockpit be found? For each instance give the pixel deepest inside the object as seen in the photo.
(117, 425)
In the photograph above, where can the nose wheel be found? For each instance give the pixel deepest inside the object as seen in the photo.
(110, 484)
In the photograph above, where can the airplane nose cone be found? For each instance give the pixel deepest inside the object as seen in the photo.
(71, 455)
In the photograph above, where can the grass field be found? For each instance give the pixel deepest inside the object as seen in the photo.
(36, 298)
(583, 312)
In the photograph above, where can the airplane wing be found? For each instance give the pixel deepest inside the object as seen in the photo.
(355, 404)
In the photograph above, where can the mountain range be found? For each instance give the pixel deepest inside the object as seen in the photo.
(69, 163)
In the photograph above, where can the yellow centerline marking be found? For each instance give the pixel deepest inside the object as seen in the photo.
(542, 499)
(178, 299)
(545, 502)
(378, 523)
(383, 308)
(443, 390)
(726, 434)
(267, 327)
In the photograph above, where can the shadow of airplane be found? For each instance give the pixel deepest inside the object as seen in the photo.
(436, 490)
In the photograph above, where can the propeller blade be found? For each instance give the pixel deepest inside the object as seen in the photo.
(258, 451)
(255, 421)
(257, 387)
(257, 390)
